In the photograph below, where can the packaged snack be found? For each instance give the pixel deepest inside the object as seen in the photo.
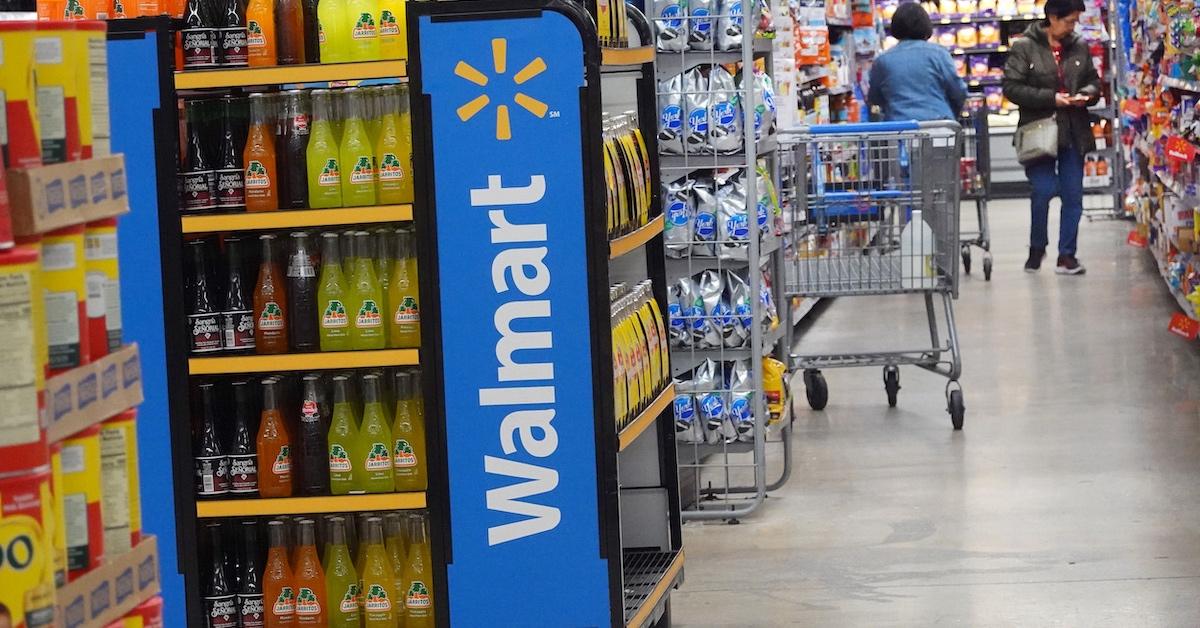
(741, 400)
(967, 36)
(960, 65)
(739, 299)
(687, 428)
(719, 316)
(700, 24)
(698, 100)
(704, 230)
(733, 225)
(1026, 6)
(670, 115)
(729, 25)
(1006, 7)
(978, 66)
(724, 116)
(989, 34)
(993, 97)
(987, 7)
(947, 36)
(671, 25)
(947, 7)
(679, 217)
(967, 7)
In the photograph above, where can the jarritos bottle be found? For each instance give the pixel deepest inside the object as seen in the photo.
(343, 439)
(270, 302)
(278, 595)
(418, 597)
(366, 297)
(261, 176)
(397, 552)
(220, 605)
(321, 156)
(375, 440)
(404, 321)
(260, 33)
(332, 292)
(333, 33)
(357, 155)
(341, 578)
(274, 445)
(388, 150)
(378, 581)
(364, 32)
(408, 434)
(404, 151)
(311, 599)
(250, 592)
(392, 44)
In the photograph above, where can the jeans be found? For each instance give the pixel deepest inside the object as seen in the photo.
(1062, 177)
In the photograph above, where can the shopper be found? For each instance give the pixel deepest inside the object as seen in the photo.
(915, 80)
(1050, 73)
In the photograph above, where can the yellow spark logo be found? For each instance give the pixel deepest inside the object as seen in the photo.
(465, 71)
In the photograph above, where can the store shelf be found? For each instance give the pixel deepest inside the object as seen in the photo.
(839, 22)
(309, 505)
(208, 223)
(979, 50)
(647, 417)
(618, 57)
(977, 82)
(978, 19)
(290, 74)
(681, 266)
(302, 361)
(648, 577)
(1171, 184)
(838, 90)
(1184, 305)
(684, 359)
(1191, 86)
(699, 161)
(668, 64)
(636, 240)
(806, 307)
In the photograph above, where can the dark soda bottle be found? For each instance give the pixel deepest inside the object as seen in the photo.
(312, 44)
(231, 35)
(313, 448)
(289, 31)
(270, 302)
(219, 603)
(292, 153)
(212, 465)
(199, 35)
(204, 321)
(250, 594)
(237, 317)
(230, 178)
(303, 334)
(198, 177)
(243, 459)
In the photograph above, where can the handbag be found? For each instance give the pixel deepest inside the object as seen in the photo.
(1037, 140)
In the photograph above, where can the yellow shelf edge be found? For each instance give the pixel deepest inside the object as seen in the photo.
(657, 594)
(308, 505)
(626, 56)
(285, 219)
(635, 240)
(281, 74)
(647, 418)
(302, 361)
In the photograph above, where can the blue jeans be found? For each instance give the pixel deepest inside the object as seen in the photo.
(1062, 177)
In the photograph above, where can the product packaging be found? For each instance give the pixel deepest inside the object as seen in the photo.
(671, 25)
(670, 116)
(679, 215)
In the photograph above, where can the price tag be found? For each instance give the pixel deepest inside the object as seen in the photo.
(1137, 239)
(1184, 326)
(1179, 148)
(1134, 107)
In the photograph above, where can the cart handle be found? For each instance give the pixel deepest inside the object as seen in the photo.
(895, 126)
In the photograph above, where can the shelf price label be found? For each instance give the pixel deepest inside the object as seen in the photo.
(1183, 326)
(1180, 149)
(506, 106)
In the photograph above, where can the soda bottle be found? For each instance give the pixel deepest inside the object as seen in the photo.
(289, 19)
(293, 171)
(231, 36)
(397, 553)
(270, 302)
(311, 601)
(332, 297)
(278, 594)
(314, 446)
(405, 319)
(387, 152)
(199, 35)
(378, 582)
(343, 441)
(383, 239)
(391, 30)
(219, 603)
(418, 596)
(243, 460)
(259, 157)
(302, 295)
(230, 174)
(357, 155)
(348, 254)
(333, 34)
(260, 33)
(408, 434)
(367, 297)
(338, 122)
(321, 155)
(364, 32)
(404, 148)
(204, 320)
(250, 593)
(212, 466)
(237, 317)
(341, 578)
(198, 180)
(274, 446)
(312, 45)
(375, 440)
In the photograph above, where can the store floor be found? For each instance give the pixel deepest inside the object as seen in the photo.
(1072, 498)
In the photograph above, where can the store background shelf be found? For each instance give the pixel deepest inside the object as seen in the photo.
(646, 418)
(620, 57)
(258, 507)
(302, 361)
(289, 74)
(255, 221)
(636, 240)
(701, 161)
(648, 576)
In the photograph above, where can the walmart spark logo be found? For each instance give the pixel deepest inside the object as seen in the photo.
(465, 71)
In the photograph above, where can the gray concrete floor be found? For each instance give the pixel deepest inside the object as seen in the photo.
(1072, 498)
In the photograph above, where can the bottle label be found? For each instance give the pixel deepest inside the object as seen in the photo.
(233, 46)
(387, 24)
(238, 329)
(256, 175)
(271, 318)
(418, 596)
(212, 475)
(378, 458)
(407, 311)
(285, 604)
(363, 171)
(334, 315)
(198, 190)
(243, 474)
(222, 611)
(308, 411)
(231, 188)
(254, 34)
(403, 456)
(331, 174)
(300, 123)
(307, 603)
(339, 459)
(251, 608)
(199, 47)
(350, 601)
(301, 266)
(377, 599)
(320, 33)
(368, 315)
(364, 27)
(206, 333)
(282, 466)
(390, 169)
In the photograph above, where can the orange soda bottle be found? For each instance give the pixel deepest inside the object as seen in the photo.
(261, 177)
(260, 33)
(278, 595)
(274, 446)
(311, 600)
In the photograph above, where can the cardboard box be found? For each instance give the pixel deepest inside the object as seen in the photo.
(60, 195)
(108, 592)
(87, 395)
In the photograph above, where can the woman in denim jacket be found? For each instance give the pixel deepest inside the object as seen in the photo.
(915, 80)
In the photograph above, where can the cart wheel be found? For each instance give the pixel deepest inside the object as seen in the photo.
(956, 408)
(815, 389)
(987, 268)
(891, 384)
(966, 255)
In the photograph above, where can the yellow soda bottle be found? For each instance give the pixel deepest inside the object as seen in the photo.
(397, 551)
(375, 440)
(371, 111)
(383, 238)
(392, 44)
(343, 440)
(393, 167)
(408, 433)
(418, 596)
(380, 600)
(331, 298)
(364, 32)
(405, 318)
(324, 171)
(366, 297)
(341, 578)
(405, 153)
(357, 155)
(333, 36)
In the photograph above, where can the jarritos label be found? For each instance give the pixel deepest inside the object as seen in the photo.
(407, 311)
(418, 596)
(307, 603)
(73, 10)
(363, 171)
(256, 175)
(378, 458)
(339, 458)
(334, 315)
(271, 317)
(350, 602)
(283, 461)
(388, 26)
(377, 600)
(285, 604)
(254, 34)
(331, 174)
(368, 315)
(403, 456)
(364, 27)
(390, 168)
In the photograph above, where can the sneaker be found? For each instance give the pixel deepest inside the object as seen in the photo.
(1035, 260)
(1068, 265)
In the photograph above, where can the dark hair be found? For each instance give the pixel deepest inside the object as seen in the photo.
(1063, 8)
(912, 22)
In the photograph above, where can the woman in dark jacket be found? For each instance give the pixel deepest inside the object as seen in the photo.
(1049, 72)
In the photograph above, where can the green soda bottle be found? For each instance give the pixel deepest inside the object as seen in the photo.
(366, 297)
(388, 151)
(338, 100)
(357, 154)
(331, 298)
(397, 552)
(408, 434)
(341, 578)
(418, 595)
(344, 477)
(375, 441)
(405, 148)
(404, 318)
(347, 240)
(371, 116)
(383, 238)
(324, 171)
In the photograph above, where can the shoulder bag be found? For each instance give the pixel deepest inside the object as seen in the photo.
(1037, 140)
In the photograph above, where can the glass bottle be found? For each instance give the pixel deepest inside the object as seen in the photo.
(199, 35)
(341, 578)
(212, 465)
(404, 322)
(293, 172)
(313, 443)
(270, 302)
(382, 240)
(357, 154)
(375, 440)
(260, 33)
(250, 592)
(397, 553)
(204, 320)
(231, 38)
(311, 600)
(312, 45)
(387, 151)
(289, 21)
(274, 445)
(237, 315)
(366, 297)
(230, 174)
(333, 33)
(331, 298)
(243, 459)
(321, 156)
(220, 605)
(418, 597)
(343, 441)
(364, 32)
(380, 599)
(408, 433)
(198, 178)
(278, 594)
(261, 175)
(303, 330)
(404, 148)
(391, 29)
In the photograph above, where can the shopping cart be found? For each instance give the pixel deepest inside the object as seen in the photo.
(975, 172)
(883, 199)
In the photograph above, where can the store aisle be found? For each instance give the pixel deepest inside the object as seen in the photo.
(1070, 499)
